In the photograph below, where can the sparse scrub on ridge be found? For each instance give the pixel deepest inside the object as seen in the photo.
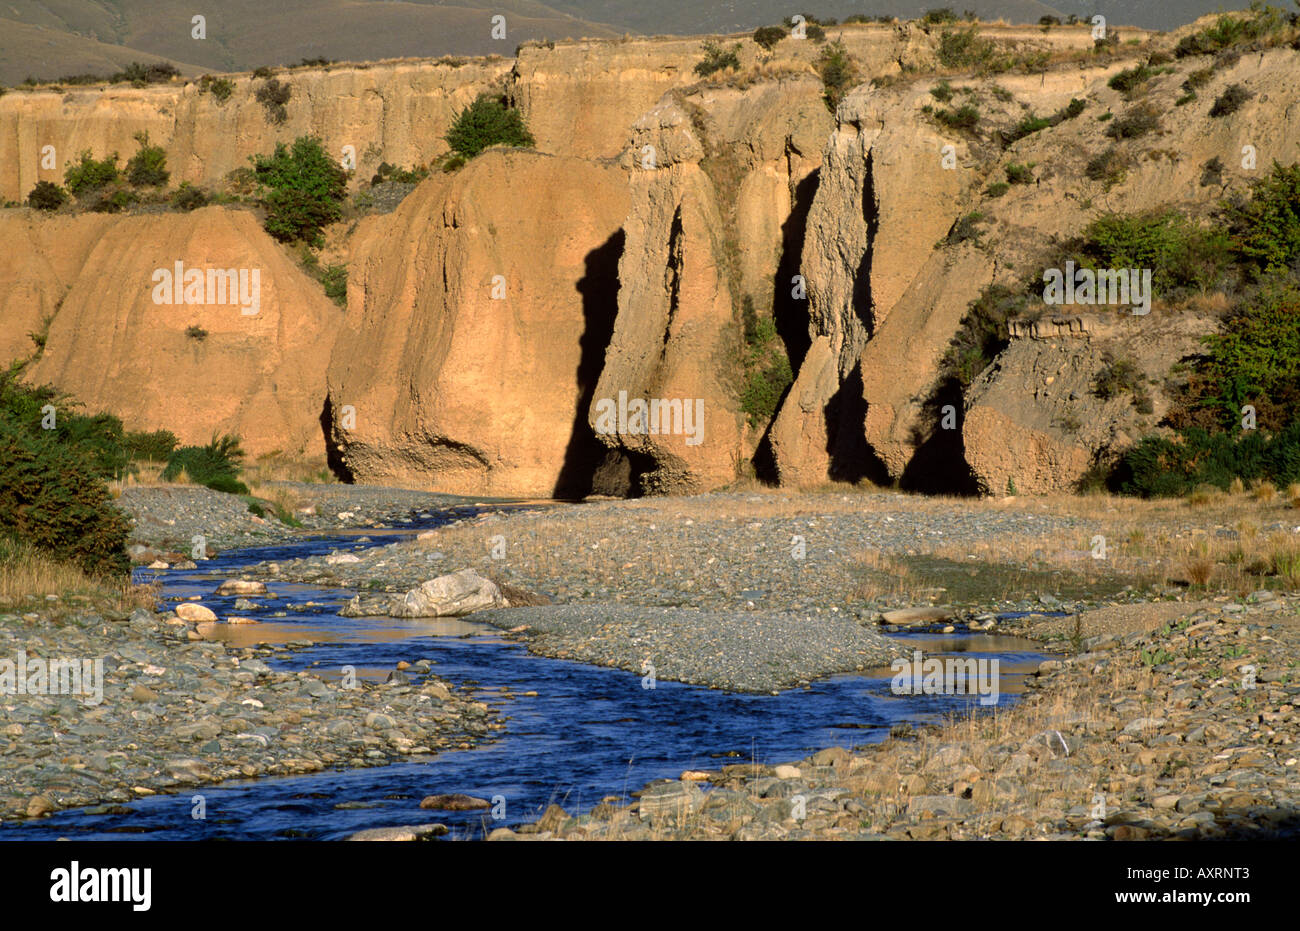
(1109, 166)
(1130, 79)
(837, 70)
(87, 174)
(717, 58)
(767, 37)
(219, 88)
(1031, 124)
(274, 95)
(1230, 101)
(1135, 123)
(1264, 24)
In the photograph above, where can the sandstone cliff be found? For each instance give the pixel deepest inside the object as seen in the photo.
(260, 376)
(477, 319)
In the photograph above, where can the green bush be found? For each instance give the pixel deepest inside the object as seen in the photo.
(1109, 166)
(148, 166)
(51, 499)
(997, 189)
(1230, 30)
(1135, 123)
(837, 72)
(87, 175)
(939, 15)
(1159, 466)
(1255, 357)
(302, 189)
(155, 446)
(716, 58)
(140, 74)
(963, 48)
(1230, 101)
(1130, 79)
(966, 117)
(216, 465)
(767, 367)
(220, 88)
(188, 197)
(487, 122)
(335, 279)
(982, 334)
(1020, 174)
(942, 92)
(1266, 228)
(273, 95)
(766, 37)
(965, 229)
(1180, 254)
(47, 196)
(113, 201)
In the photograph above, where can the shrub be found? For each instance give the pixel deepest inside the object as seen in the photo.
(52, 491)
(766, 37)
(1109, 166)
(188, 197)
(387, 172)
(155, 446)
(1266, 228)
(302, 188)
(1020, 174)
(716, 58)
(1160, 466)
(1212, 172)
(220, 88)
(963, 48)
(965, 229)
(1230, 30)
(87, 175)
(837, 72)
(487, 122)
(815, 32)
(335, 279)
(196, 332)
(1230, 101)
(140, 75)
(939, 15)
(1138, 121)
(982, 334)
(942, 92)
(997, 189)
(216, 465)
(767, 367)
(1130, 79)
(148, 166)
(262, 72)
(113, 201)
(47, 196)
(273, 95)
(965, 117)
(1117, 377)
(1179, 253)
(1255, 357)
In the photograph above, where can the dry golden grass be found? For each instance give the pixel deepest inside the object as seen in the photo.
(27, 573)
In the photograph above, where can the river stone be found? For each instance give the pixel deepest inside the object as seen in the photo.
(453, 595)
(190, 611)
(906, 617)
(406, 832)
(454, 802)
(241, 587)
(669, 799)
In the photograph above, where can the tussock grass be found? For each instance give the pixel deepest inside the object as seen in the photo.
(28, 574)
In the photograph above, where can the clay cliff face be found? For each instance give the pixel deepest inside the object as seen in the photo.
(653, 210)
(111, 346)
(477, 316)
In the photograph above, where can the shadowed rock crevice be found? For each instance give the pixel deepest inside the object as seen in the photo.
(789, 314)
(863, 305)
(333, 452)
(939, 465)
(585, 455)
(850, 457)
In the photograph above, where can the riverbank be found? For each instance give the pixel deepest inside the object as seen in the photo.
(1188, 731)
(178, 712)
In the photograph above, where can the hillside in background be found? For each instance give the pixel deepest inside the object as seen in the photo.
(48, 39)
(51, 39)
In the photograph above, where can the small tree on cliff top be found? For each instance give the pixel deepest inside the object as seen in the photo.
(487, 122)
